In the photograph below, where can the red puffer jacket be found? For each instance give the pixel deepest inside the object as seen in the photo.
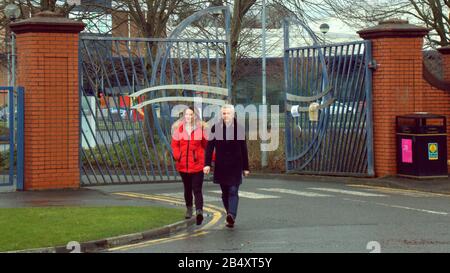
(189, 150)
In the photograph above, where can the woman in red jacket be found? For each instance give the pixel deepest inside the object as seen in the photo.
(188, 146)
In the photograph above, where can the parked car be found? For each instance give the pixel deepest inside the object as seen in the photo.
(120, 111)
(339, 108)
(4, 113)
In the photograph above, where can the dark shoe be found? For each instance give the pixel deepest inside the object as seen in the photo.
(199, 217)
(230, 221)
(188, 214)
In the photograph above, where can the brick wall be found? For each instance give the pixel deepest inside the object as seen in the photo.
(120, 29)
(446, 63)
(438, 102)
(445, 53)
(3, 74)
(123, 26)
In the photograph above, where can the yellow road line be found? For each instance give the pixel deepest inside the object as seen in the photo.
(216, 211)
(217, 214)
(392, 190)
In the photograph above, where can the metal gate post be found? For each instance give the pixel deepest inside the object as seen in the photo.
(11, 134)
(20, 138)
(369, 118)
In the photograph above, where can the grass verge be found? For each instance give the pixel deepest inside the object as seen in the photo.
(25, 228)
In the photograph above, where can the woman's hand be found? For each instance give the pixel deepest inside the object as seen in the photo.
(206, 169)
(246, 172)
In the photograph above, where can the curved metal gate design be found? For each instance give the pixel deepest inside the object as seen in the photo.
(129, 87)
(336, 81)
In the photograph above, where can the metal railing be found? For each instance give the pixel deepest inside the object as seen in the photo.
(11, 138)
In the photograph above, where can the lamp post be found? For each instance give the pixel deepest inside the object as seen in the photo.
(264, 161)
(12, 12)
(324, 28)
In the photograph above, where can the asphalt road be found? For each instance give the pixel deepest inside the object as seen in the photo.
(288, 216)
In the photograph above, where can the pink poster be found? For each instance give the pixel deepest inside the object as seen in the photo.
(407, 151)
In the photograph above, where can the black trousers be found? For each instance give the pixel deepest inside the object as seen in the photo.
(193, 183)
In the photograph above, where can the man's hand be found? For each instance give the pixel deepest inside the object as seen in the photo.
(246, 173)
(206, 169)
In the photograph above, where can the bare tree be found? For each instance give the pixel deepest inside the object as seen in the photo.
(432, 14)
(28, 8)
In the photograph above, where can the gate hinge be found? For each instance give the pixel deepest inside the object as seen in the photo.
(373, 65)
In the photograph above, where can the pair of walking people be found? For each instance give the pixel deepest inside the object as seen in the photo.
(193, 150)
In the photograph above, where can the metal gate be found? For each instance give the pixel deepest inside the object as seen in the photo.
(11, 138)
(338, 79)
(123, 143)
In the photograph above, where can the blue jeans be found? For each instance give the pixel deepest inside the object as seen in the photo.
(230, 198)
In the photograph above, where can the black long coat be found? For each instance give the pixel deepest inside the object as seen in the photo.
(231, 153)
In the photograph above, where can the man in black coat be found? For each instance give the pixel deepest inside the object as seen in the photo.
(228, 139)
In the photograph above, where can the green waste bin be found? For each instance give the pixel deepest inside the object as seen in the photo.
(421, 146)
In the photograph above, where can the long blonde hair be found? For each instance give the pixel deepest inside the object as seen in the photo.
(197, 119)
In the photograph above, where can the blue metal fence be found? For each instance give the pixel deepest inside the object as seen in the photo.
(336, 77)
(122, 144)
(11, 138)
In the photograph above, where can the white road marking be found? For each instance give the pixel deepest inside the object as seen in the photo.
(400, 207)
(301, 193)
(251, 195)
(358, 193)
(409, 208)
(355, 200)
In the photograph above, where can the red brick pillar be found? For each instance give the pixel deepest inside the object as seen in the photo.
(47, 47)
(445, 52)
(397, 84)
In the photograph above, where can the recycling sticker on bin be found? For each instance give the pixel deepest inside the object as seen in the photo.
(407, 151)
(432, 151)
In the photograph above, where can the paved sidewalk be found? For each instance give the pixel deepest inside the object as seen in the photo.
(441, 185)
(79, 197)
